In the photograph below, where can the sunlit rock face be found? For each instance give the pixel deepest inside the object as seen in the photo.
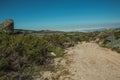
(7, 26)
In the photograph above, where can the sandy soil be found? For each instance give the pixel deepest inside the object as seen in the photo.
(86, 61)
(91, 62)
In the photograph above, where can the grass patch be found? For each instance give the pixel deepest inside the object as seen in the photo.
(59, 52)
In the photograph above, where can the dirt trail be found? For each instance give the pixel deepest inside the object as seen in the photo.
(86, 61)
(91, 62)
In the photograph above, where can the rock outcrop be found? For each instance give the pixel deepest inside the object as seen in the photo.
(7, 26)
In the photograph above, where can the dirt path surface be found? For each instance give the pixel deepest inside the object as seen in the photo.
(88, 61)
(85, 61)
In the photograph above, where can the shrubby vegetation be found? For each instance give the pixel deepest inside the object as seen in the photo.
(110, 39)
(20, 54)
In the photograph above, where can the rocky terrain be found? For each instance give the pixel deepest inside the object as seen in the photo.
(7, 26)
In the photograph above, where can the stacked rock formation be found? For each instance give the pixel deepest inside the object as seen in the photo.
(7, 26)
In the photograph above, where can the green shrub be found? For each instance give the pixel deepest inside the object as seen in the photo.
(58, 51)
(116, 49)
(117, 34)
(3, 64)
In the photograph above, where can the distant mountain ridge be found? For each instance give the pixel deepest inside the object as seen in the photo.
(34, 31)
(78, 28)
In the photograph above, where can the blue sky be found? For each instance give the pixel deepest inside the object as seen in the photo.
(48, 14)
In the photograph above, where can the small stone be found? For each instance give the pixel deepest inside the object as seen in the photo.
(51, 54)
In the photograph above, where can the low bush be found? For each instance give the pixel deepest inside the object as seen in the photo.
(58, 51)
(20, 52)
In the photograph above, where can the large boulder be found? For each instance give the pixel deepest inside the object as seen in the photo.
(7, 26)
